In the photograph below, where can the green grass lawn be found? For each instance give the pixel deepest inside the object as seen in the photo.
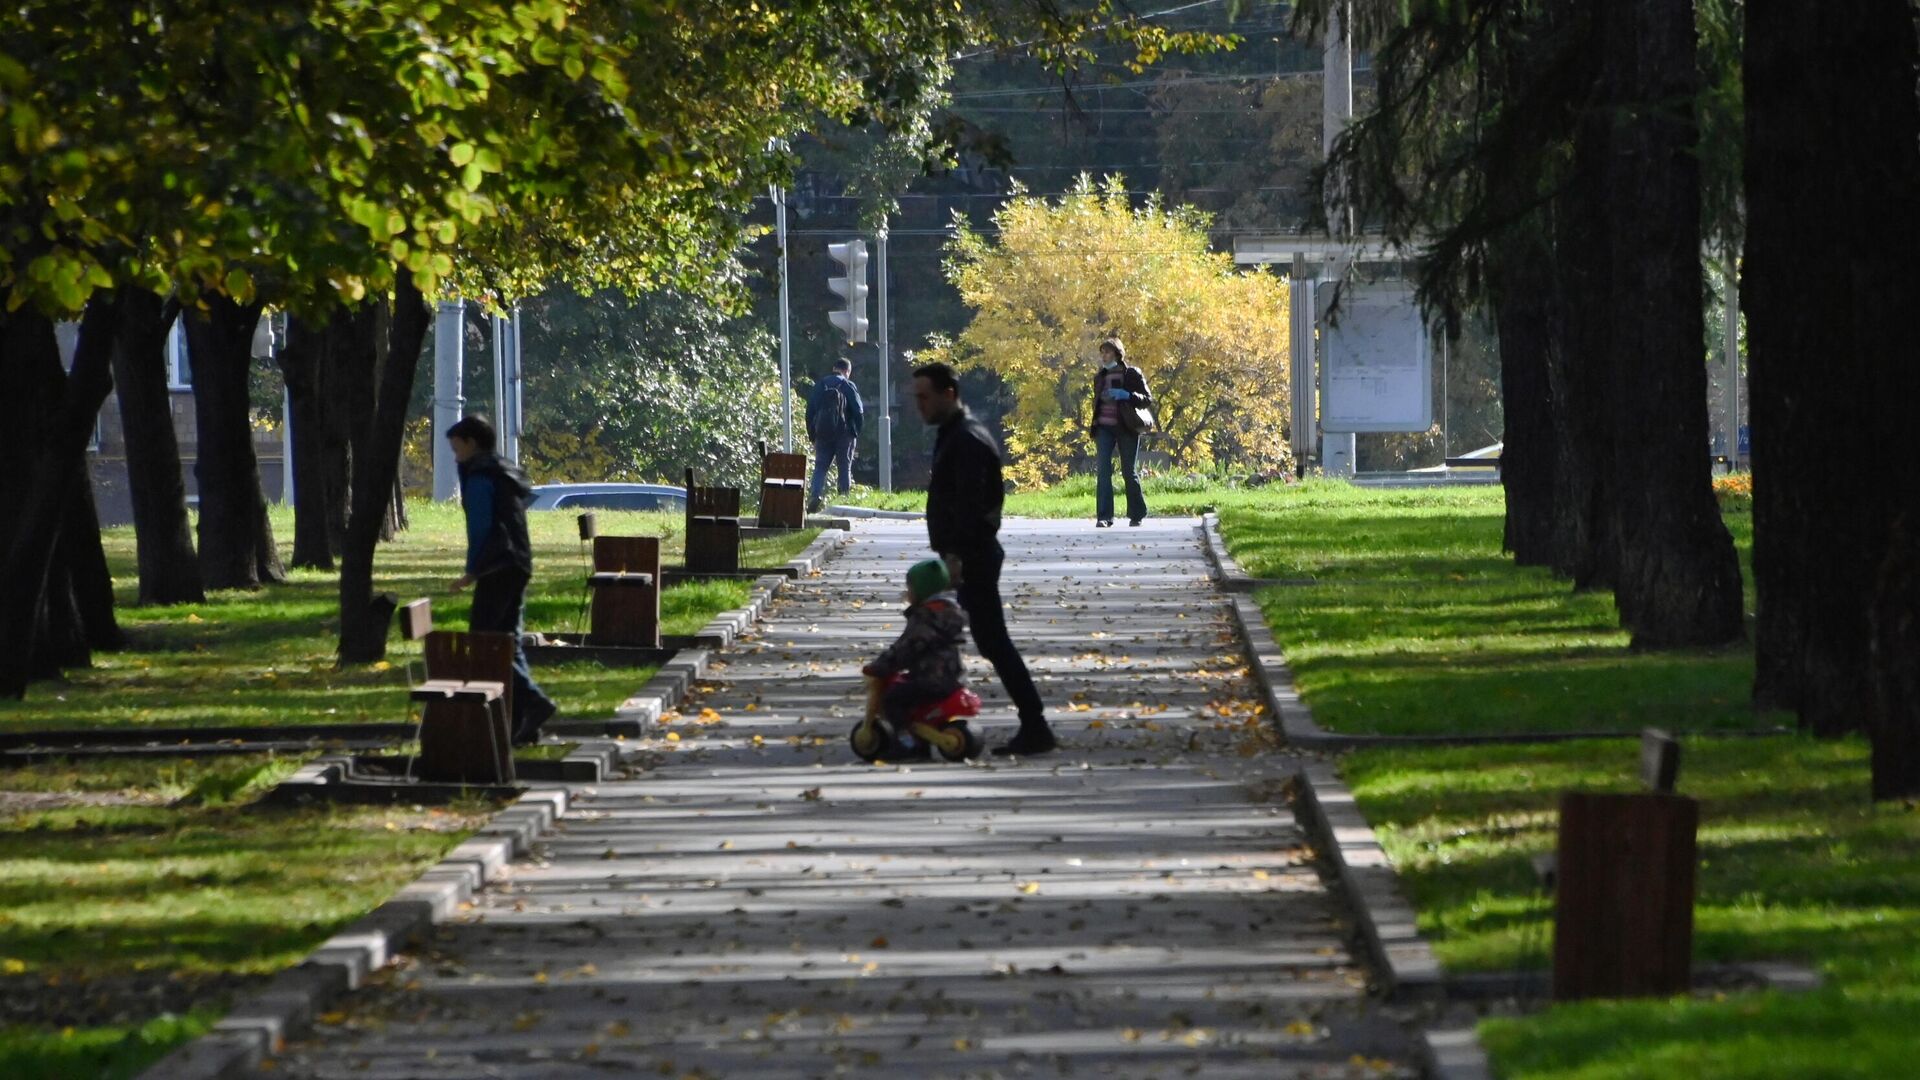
(1794, 864)
(1415, 622)
(136, 904)
(267, 657)
(138, 895)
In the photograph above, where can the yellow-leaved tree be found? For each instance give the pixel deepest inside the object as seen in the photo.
(1059, 277)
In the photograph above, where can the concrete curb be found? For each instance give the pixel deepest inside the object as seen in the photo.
(259, 1024)
(1407, 966)
(1454, 1054)
(866, 512)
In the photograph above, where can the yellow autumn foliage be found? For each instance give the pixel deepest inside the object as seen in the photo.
(1059, 277)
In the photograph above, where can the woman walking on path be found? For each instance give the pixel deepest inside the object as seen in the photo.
(1118, 391)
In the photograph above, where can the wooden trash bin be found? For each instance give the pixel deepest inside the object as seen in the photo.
(625, 589)
(466, 734)
(1623, 903)
(713, 528)
(783, 490)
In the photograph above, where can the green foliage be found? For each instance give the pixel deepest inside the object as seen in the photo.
(1795, 864)
(280, 149)
(641, 389)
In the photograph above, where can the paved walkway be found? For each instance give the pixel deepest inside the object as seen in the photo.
(758, 904)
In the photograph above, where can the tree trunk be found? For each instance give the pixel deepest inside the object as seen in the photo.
(236, 539)
(302, 362)
(169, 572)
(86, 563)
(1832, 185)
(364, 618)
(1582, 414)
(1895, 660)
(352, 380)
(40, 626)
(1678, 581)
(1530, 452)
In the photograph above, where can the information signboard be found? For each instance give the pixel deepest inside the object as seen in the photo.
(1377, 362)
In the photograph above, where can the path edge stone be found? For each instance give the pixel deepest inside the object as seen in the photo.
(259, 1024)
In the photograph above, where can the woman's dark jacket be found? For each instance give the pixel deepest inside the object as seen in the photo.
(1135, 383)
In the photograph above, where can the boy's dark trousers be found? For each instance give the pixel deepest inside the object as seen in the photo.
(498, 599)
(979, 592)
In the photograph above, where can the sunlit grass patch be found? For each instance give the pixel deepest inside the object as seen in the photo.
(1795, 864)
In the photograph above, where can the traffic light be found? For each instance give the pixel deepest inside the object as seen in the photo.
(852, 320)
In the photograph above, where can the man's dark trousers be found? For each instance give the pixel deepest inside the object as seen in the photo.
(498, 599)
(979, 592)
(828, 452)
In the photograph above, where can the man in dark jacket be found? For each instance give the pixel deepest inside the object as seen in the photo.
(499, 559)
(964, 494)
(833, 426)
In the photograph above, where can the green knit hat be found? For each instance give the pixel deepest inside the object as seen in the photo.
(927, 577)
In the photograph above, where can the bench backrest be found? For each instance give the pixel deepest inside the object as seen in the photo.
(781, 466)
(479, 657)
(627, 555)
(711, 501)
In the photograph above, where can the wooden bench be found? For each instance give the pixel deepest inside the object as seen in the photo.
(783, 490)
(713, 528)
(466, 702)
(625, 588)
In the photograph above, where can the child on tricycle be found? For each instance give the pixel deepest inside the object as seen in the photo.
(917, 698)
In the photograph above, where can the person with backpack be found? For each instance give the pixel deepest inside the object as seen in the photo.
(833, 426)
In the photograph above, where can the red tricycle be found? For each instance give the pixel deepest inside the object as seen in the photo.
(940, 725)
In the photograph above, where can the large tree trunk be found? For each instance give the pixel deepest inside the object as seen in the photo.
(351, 385)
(1677, 581)
(41, 626)
(1582, 545)
(1530, 455)
(302, 366)
(364, 618)
(169, 572)
(1832, 191)
(86, 565)
(236, 539)
(1895, 659)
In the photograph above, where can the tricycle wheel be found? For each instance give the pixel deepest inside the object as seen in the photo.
(869, 741)
(970, 744)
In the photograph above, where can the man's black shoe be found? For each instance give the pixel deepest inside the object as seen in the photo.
(1135, 522)
(1027, 743)
(528, 731)
(1103, 523)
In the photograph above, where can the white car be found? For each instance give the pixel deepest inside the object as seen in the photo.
(608, 496)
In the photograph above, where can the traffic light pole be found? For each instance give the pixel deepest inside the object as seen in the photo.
(886, 383)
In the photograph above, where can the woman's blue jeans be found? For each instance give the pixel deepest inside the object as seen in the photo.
(1106, 440)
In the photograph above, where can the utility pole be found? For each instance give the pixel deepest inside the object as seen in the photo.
(886, 382)
(514, 422)
(1730, 347)
(786, 341)
(1337, 448)
(449, 344)
(1303, 416)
